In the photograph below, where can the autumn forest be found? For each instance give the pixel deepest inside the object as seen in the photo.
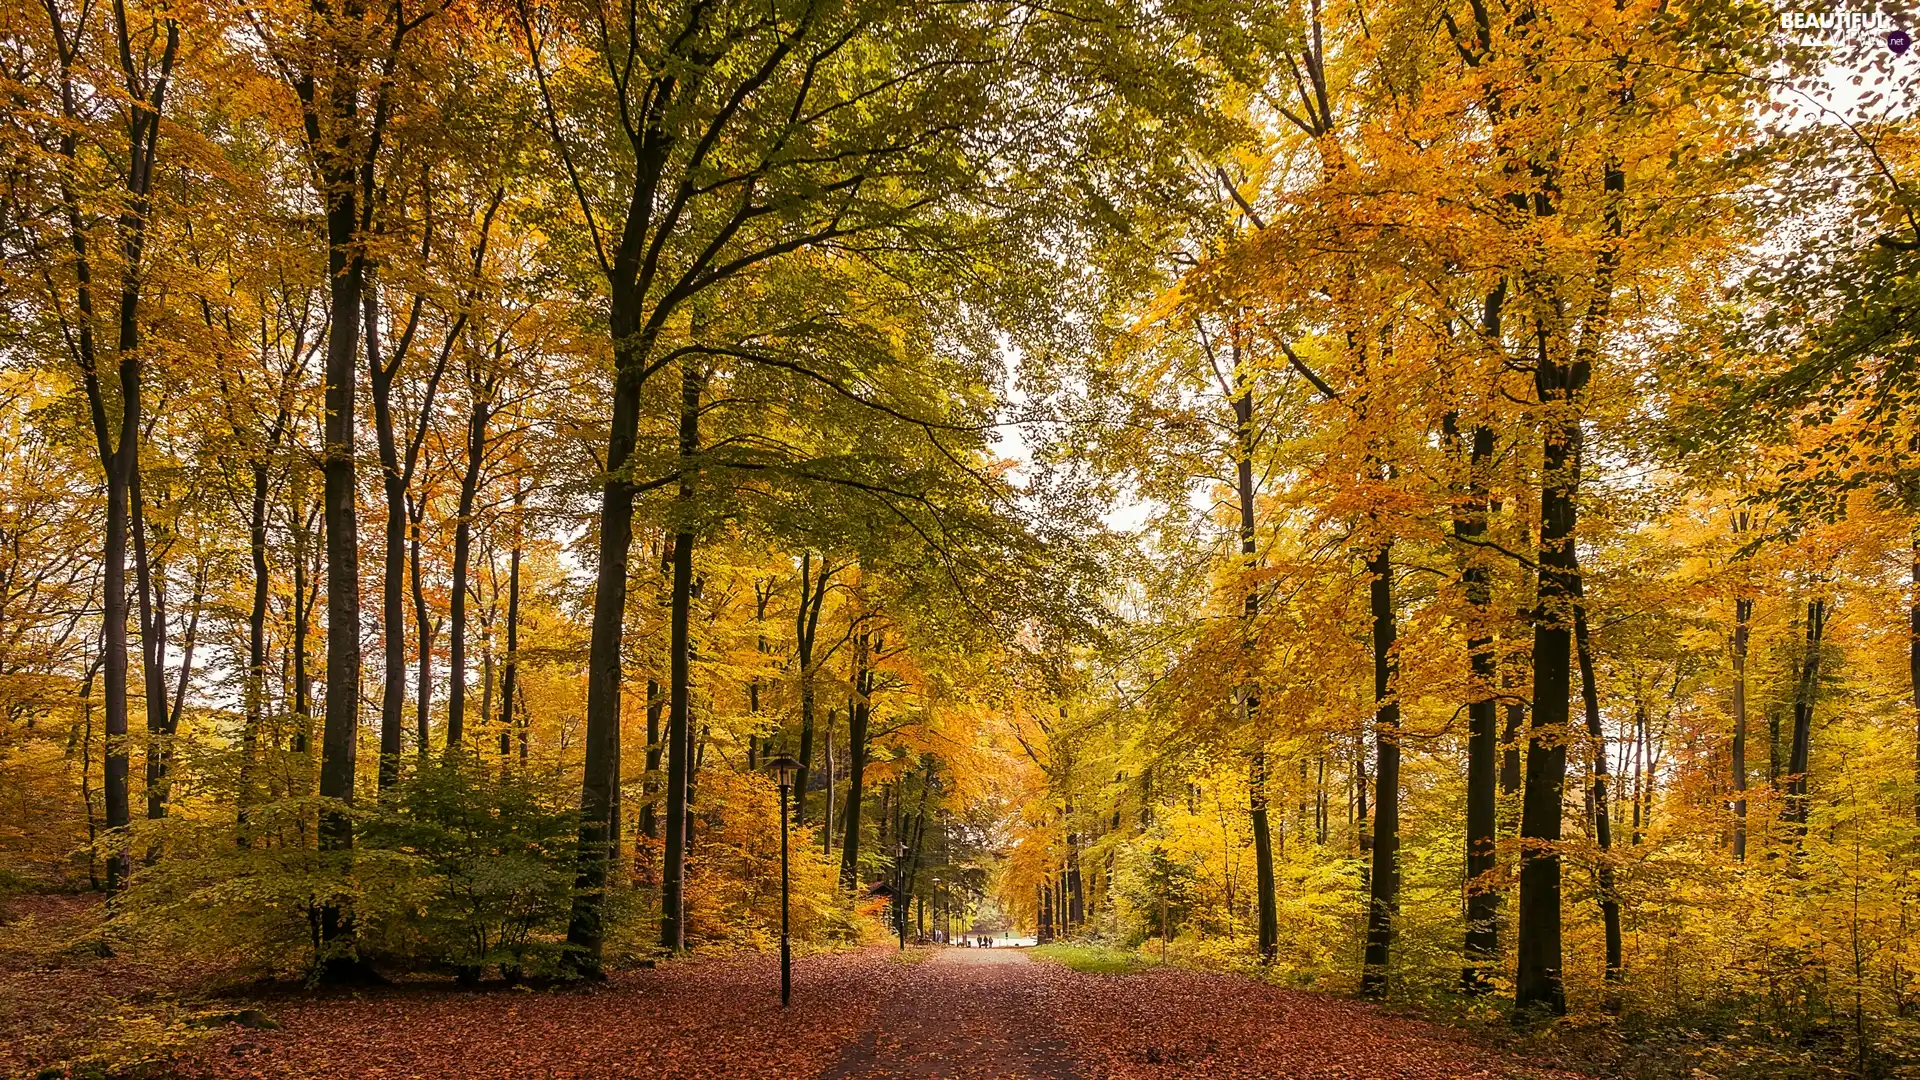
(1352, 538)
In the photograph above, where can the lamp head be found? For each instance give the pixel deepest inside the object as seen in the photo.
(783, 769)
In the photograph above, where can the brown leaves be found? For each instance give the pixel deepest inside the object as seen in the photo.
(963, 1014)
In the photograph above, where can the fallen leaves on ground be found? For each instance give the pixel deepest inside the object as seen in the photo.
(963, 1015)
(1172, 1024)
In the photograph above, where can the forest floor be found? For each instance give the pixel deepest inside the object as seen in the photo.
(868, 1015)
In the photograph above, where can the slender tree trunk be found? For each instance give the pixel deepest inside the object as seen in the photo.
(1742, 628)
(393, 616)
(1602, 818)
(86, 771)
(585, 927)
(680, 701)
(119, 458)
(305, 597)
(151, 589)
(1803, 700)
(650, 787)
(1538, 982)
(826, 815)
(425, 628)
(1482, 950)
(256, 684)
(118, 808)
(806, 626)
(1269, 920)
(510, 667)
(346, 268)
(1384, 902)
(857, 719)
(462, 557)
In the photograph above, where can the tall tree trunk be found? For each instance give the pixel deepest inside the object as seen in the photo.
(426, 628)
(151, 589)
(680, 700)
(256, 682)
(1538, 982)
(806, 627)
(119, 453)
(1269, 919)
(1742, 629)
(585, 928)
(1076, 896)
(346, 268)
(650, 787)
(1384, 901)
(510, 667)
(1602, 818)
(118, 466)
(860, 712)
(826, 814)
(393, 617)
(305, 596)
(1805, 691)
(1482, 949)
(462, 556)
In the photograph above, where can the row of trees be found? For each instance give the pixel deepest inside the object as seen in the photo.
(681, 331)
(1521, 428)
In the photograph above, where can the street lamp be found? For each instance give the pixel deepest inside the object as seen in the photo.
(904, 897)
(783, 769)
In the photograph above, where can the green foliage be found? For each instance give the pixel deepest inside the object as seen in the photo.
(498, 853)
(1152, 886)
(1098, 959)
(456, 868)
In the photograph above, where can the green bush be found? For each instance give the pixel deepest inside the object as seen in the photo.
(453, 869)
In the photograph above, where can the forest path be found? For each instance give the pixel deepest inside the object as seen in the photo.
(960, 1014)
(963, 1014)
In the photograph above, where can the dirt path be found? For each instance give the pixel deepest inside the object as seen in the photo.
(965, 1013)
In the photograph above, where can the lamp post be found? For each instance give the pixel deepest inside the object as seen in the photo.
(902, 899)
(783, 769)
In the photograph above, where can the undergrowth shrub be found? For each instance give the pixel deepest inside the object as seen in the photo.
(453, 869)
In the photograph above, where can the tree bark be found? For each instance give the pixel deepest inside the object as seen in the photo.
(1742, 629)
(585, 930)
(1482, 946)
(1538, 981)
(806, 628)
(1384, 900)
(650, 787)
(393, 616)
(1602, 818)
(150, 587)
(426, 629)
(256, 679)
(1269, 920)
(478, 413)
(510, 668)
(859, 714)
(1806, 690)
(826, 815)
(117, 444)
(679, 704)
(346, 268)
